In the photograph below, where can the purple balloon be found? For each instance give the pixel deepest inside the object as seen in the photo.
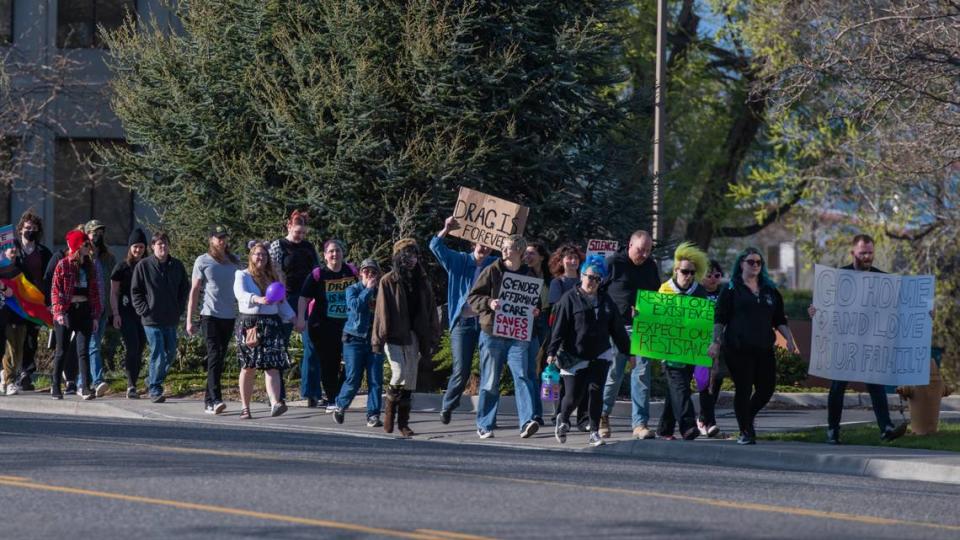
(702, 375)
(276, 292)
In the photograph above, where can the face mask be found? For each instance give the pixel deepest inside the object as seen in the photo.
(31, 236)
(98, 240)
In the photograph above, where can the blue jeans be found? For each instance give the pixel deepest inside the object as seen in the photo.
(494, 353)
(532, 369)
(309, 370)
(96, 358)
(163, 350)
(358, 358)
(639, 388)
(464, 337)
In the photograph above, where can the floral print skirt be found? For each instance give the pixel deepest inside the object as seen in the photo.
(271, 350)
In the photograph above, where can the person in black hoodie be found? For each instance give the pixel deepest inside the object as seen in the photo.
(631, 269)
(33, 258)
(748, 310)
(159, 291)
(585, 320)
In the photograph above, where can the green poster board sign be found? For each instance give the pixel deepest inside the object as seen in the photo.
(672, 327)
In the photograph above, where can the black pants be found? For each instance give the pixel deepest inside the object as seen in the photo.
(679, 406)
(878, 397)
(328, 349)
(754, 373)
(29, 363)
(708, 402)
(587, 382)
(134, 341)
(81, 326)
(217, 333)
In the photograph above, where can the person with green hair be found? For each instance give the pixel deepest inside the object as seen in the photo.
(748, 311)
(690, 264)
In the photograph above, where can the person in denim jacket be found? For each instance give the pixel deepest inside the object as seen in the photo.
(358, 355)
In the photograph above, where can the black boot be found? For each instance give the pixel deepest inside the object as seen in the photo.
(390, 408)
(403, 413)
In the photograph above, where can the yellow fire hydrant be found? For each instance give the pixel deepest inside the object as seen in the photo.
(924, 402)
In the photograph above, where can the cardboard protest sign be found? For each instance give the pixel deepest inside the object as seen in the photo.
(487, 220)
(6, 236)
(871, 327)
(518, 297)
(602, 248)
(673, 327)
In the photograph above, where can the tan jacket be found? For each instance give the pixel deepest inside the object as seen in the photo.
(391, 322)
(487, 287)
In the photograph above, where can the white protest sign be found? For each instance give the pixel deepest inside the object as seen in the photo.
(871, 327)
(602, 248)
(518, 297)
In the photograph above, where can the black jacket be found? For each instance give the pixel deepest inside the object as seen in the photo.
(159, 291)
(583, 331)
(626, 279)
(749, 318)
(50, 268)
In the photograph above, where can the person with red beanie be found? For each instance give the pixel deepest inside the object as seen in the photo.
(76, 307)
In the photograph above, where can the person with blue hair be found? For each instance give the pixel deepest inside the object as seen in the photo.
(748, 311)
(586, 319)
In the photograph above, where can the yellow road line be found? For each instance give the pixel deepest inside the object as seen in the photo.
(706, 501)
(448, 534)
(327, 524)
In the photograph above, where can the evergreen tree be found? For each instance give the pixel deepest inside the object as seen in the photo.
(370, 113)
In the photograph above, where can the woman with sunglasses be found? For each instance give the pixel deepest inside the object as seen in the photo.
(586, 319)
(707, 421)
(689, 266)
(748, 311)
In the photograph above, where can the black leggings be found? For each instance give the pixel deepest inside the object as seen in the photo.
(678, 408)
(328, 351)
(587, 381)
(134, 341)
(80, 323)
(754, 373)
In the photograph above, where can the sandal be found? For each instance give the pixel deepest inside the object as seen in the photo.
(245, 413)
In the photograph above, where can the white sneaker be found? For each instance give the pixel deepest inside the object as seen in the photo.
(596, 440)
(702, 427)
(484, 434)
(12, 389)
(219, 407)
(101, 389)
(331, 409)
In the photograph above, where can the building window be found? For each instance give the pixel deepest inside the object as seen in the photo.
(6, 21)
(10, 166)
(78, 21)
(773, 257)
(84, 191)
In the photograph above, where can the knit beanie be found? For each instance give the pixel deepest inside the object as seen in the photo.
(75, 240)
(137, 236)
(403, 244)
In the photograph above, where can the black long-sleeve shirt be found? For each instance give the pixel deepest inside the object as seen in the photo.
(584, 330)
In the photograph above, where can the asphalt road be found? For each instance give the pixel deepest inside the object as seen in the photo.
(100, 478)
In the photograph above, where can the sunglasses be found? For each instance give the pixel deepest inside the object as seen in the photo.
(715, 275)
(687, 271)
(592, 278)
(754, 262)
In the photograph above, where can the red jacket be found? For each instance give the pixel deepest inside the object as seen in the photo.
(65, 279)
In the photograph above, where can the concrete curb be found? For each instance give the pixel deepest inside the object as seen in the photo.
(69, 405)
(883, 463)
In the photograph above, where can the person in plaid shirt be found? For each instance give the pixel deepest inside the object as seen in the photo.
(76, 307)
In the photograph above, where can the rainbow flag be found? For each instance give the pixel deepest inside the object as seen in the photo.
(27, 300)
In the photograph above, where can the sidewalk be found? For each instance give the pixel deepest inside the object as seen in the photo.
(877, 462)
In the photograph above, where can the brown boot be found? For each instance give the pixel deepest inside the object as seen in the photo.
(605, 427)
(390, 408)
(403, 413)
